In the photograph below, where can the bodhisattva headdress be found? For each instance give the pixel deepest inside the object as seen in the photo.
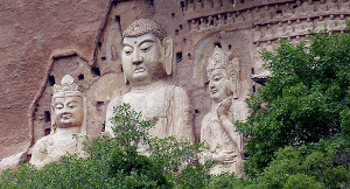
(144, 26)
(221, 59)
(67, 89)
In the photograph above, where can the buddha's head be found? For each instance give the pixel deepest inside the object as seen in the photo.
(223, 74)
(147, 53)
(67, 105)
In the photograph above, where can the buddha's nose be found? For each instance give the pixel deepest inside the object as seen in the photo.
(65, 109)
(211, 85)
(137, 58)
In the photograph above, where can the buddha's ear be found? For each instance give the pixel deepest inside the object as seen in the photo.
(168, 54)
(126, 81)
(234, 83)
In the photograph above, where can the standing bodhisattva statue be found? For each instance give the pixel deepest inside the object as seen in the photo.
(67, 116)
(147, 57)
(218, 131)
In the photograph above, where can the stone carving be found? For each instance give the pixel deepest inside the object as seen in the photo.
(308, 25)
(256, 34)
(270, 46)
(344, 5)
(341, 25)
(248, 16)
(218, 131)
(278, 15)
(280, 30)
(147, 58)
(229, 19)
(216, 3)
(298, 27)
(310, 8)
(296, 40)
(212, 21)
(288, 12)
(199, 4)
(331, 23)
(239, 17)
(269, 32)
(256, 13)
(322, 6)
(220, 21)
(194, 25)
(265, 15)
(191, 7)
(298, 9)
(68, 118)
(203, 24)
(319, 25)
(333, 6)
(289, 29)
(208, 4)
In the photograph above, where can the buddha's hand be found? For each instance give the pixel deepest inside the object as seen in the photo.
(222, 157)
(224, 108)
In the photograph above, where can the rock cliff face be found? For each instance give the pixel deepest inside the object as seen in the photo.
(32, 33)
(44, 40)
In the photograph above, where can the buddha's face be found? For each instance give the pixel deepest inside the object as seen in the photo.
(141, 59)
(219, 85)
(69, 111)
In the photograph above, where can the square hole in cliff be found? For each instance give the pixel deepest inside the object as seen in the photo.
(47, 116)
(178, 57)
(51, 80)
(95, 72)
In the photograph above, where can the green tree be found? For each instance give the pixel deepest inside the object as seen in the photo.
(298, 130)
(116, 162)
(305, 99)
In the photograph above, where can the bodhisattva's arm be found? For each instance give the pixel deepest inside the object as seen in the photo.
(223, 114)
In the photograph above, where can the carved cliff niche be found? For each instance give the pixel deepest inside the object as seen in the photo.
(241, 27)
(62, 63)
(97, 89)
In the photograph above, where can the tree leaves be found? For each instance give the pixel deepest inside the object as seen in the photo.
(306, 98)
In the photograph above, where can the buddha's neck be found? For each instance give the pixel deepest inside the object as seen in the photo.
(149, 87)
(68, 130)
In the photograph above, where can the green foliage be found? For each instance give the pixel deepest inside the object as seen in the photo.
(306, 98)
(116, 162)
(298, 131)
(321, 165)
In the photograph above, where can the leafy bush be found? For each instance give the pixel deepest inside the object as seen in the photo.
(116, 162)
(298, 130)
(305, 99)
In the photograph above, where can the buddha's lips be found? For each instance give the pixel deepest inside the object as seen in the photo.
(213, 91)
(66, 116)
(137, 69)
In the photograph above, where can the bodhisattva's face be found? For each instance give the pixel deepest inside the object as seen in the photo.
(219, 85)
(69, 111)
(141, 58)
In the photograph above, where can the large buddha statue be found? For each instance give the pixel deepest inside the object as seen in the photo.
(67, 126)
(218, 130)
(147, 57)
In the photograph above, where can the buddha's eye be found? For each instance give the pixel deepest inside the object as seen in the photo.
(72, 105)
(59, 106)
(146, 49)
(127, 51)
(217, 78)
